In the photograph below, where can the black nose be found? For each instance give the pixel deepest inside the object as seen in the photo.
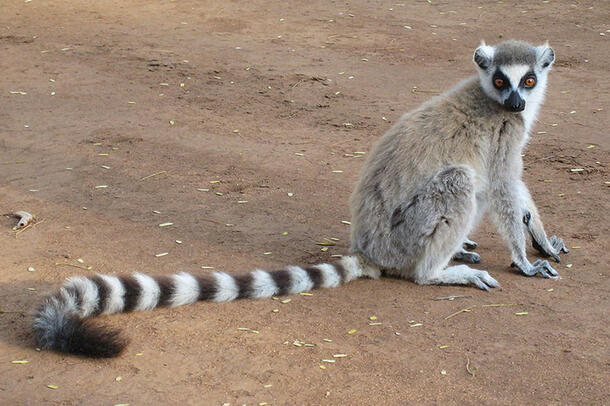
(514, 102)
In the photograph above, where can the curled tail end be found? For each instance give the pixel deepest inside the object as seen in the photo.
(57, 326)
(81, 337)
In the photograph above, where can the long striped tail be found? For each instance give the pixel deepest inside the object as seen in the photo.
(61, 321)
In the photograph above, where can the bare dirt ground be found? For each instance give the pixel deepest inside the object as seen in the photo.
(271, 99)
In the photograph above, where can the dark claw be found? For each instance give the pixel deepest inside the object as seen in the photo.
(527, 217)
(544, 273)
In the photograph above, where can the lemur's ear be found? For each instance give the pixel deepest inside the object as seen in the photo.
(483, 56)
(545, 56)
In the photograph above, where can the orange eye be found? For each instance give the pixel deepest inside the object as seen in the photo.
(498, 83)
(529, 82)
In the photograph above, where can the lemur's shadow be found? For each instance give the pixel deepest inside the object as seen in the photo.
(18, 299)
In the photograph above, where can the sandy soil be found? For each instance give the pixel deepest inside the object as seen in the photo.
(270, 98)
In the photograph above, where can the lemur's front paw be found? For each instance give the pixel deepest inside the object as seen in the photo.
(558, 245)
(555, 247)
(540, 267)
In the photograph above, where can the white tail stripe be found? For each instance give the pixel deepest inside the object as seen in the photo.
(352, 268)
(186, 289)
(300, 280)
(115, 301)
(262, 285)
(331, 278)
(88, 294)
(65, 304)
(149, 292)
(227, 288)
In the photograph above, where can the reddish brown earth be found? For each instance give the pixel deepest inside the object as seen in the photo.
(311, 83)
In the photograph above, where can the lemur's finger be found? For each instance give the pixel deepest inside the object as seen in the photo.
(558, 244)
(479, 283)
(544, 265)
(469, 244)
(489, 280)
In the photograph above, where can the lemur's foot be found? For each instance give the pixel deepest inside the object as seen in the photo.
(540, 267)
(462, 275)
(482, 280)
(467, 256)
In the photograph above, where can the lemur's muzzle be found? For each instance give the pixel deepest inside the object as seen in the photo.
(514, 102)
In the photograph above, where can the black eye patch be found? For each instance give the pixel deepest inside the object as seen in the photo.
(528, 80)
(499, 80)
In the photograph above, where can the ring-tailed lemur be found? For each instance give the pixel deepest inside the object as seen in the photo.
(424, 186)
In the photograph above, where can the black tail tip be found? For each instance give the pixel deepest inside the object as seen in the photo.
(81, 337)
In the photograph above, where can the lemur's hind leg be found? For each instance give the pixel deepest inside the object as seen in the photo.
(446, 208)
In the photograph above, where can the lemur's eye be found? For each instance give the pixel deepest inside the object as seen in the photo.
(498, 83)
(530, 82)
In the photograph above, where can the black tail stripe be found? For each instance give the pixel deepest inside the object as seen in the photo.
(283, 280)
(132, 292)
(340, 270)
(102, 294)
(244, 283)
(207, 287)
(167, 289)
(315, 274)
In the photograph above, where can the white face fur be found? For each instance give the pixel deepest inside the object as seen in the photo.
(519, 85)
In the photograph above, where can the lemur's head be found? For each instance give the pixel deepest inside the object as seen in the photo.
(514, 73)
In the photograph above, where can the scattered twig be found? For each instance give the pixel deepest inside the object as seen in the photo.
(452, 297)
(211, 221)
(12, 162)
(153, 174)
(340, 35)
(499, 304)
(466, 310)
(19, 231)
(297, 83)
(86, 268)
(471, 372)
(31, 225)
(415, 90)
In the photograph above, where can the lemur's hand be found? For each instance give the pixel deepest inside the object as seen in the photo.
(550, 247)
